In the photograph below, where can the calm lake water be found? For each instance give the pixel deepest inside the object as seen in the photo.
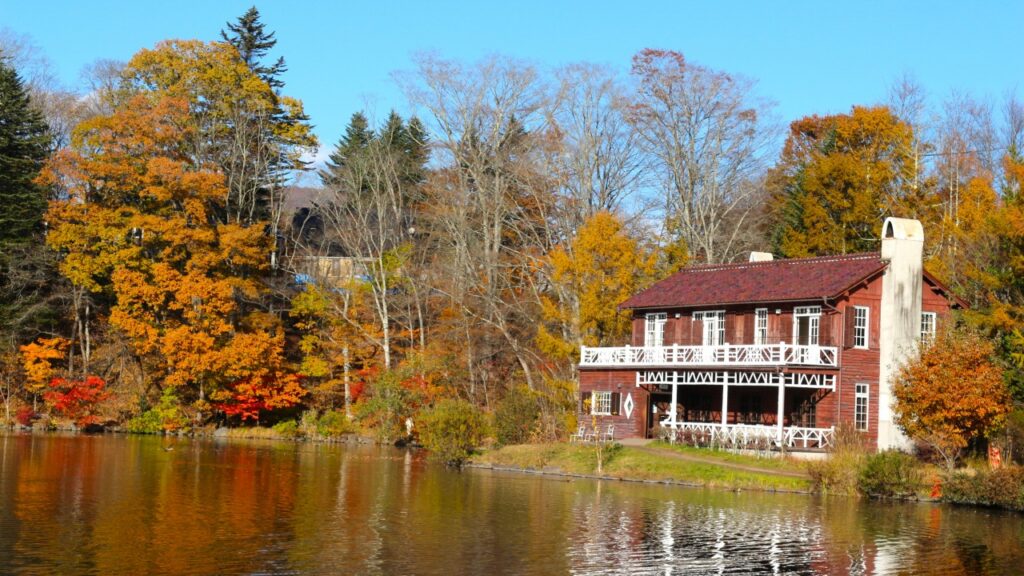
(147, 505)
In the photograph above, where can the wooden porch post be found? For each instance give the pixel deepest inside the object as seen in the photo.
(782, 403)
(725, 404)
(674, 407)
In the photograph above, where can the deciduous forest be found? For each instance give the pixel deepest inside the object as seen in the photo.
(171, 259)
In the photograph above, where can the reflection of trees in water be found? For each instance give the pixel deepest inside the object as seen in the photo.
(116, 505)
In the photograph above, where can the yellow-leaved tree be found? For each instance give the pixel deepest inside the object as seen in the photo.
(597, 271)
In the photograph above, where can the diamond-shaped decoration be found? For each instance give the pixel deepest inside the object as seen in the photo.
(628, 405)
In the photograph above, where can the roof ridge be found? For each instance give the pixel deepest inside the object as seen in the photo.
(766, 263)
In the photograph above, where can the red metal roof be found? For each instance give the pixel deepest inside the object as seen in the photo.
(759, 282)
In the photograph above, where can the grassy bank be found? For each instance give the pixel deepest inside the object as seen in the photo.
(656, 463)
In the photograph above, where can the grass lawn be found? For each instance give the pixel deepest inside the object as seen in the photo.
(644, 464)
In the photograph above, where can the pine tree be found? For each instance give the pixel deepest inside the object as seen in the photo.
(253, 42)
(357, 137)
(24, 145)
(26, 266)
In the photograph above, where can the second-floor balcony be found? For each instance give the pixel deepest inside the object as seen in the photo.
(781, 354)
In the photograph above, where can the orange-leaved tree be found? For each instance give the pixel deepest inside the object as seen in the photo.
(952, 394)
(39, 361)
(145, 218)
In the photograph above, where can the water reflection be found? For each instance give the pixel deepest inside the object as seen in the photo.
(134, 505)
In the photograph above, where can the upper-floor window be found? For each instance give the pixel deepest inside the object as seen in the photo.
(860, 407)
(927, 327)
(654, 329)
(806, 320)
(761, 326)
(714, 326)
(860, 326)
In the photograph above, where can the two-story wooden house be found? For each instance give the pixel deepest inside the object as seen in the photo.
(771, 351)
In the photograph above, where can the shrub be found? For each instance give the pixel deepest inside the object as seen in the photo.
(516, 416)
(839, 473)
(77, 399)
(287, 428)
(890, 474)
(1003, 488)
(25, 415)
(451, 430)
(388, 405)
(167, 416)
(334, 423)
(330, 424)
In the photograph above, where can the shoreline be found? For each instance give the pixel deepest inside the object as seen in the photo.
(665, 482)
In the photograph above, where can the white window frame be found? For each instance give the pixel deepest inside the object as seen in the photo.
(601, 403)
(654, 328)
(714, 326)
(813, 325)
(861, 406)
(861, 322)
(928, 324)
(760, 326)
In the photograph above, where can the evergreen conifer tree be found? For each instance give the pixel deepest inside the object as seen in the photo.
(27, 267)
(24, 145)
(357, 137)
(253, 42)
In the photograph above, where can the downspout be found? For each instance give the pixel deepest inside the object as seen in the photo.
(839, 351)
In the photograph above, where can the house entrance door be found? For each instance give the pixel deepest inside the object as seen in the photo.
(661, 407)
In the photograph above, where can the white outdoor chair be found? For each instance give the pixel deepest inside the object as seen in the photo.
(580, 435)
(609, 434)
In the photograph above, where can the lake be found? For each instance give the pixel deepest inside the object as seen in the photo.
(151, 505)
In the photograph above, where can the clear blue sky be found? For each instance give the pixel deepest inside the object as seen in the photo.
(809, 57)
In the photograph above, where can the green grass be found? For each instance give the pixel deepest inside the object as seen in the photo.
(767, 463)
(635, 464)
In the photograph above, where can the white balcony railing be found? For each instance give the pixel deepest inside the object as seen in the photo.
(725, 355)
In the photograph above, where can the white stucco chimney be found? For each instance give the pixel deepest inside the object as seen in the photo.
(902, 247)
(761, 257)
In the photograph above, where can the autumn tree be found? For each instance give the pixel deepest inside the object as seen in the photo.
(708, 137)
(239, 122)
(952, 394)
(373, 186)
(837, 178)
(332, 319)
(601, 268)
(488, 216)
(150, 218)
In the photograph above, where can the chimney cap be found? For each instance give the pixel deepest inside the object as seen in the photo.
(761, 257)
(902, 229)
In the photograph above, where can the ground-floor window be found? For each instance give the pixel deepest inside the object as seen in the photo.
(860, 408)
(806, 414)
(601, 403)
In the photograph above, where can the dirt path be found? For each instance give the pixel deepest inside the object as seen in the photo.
(666, 453)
